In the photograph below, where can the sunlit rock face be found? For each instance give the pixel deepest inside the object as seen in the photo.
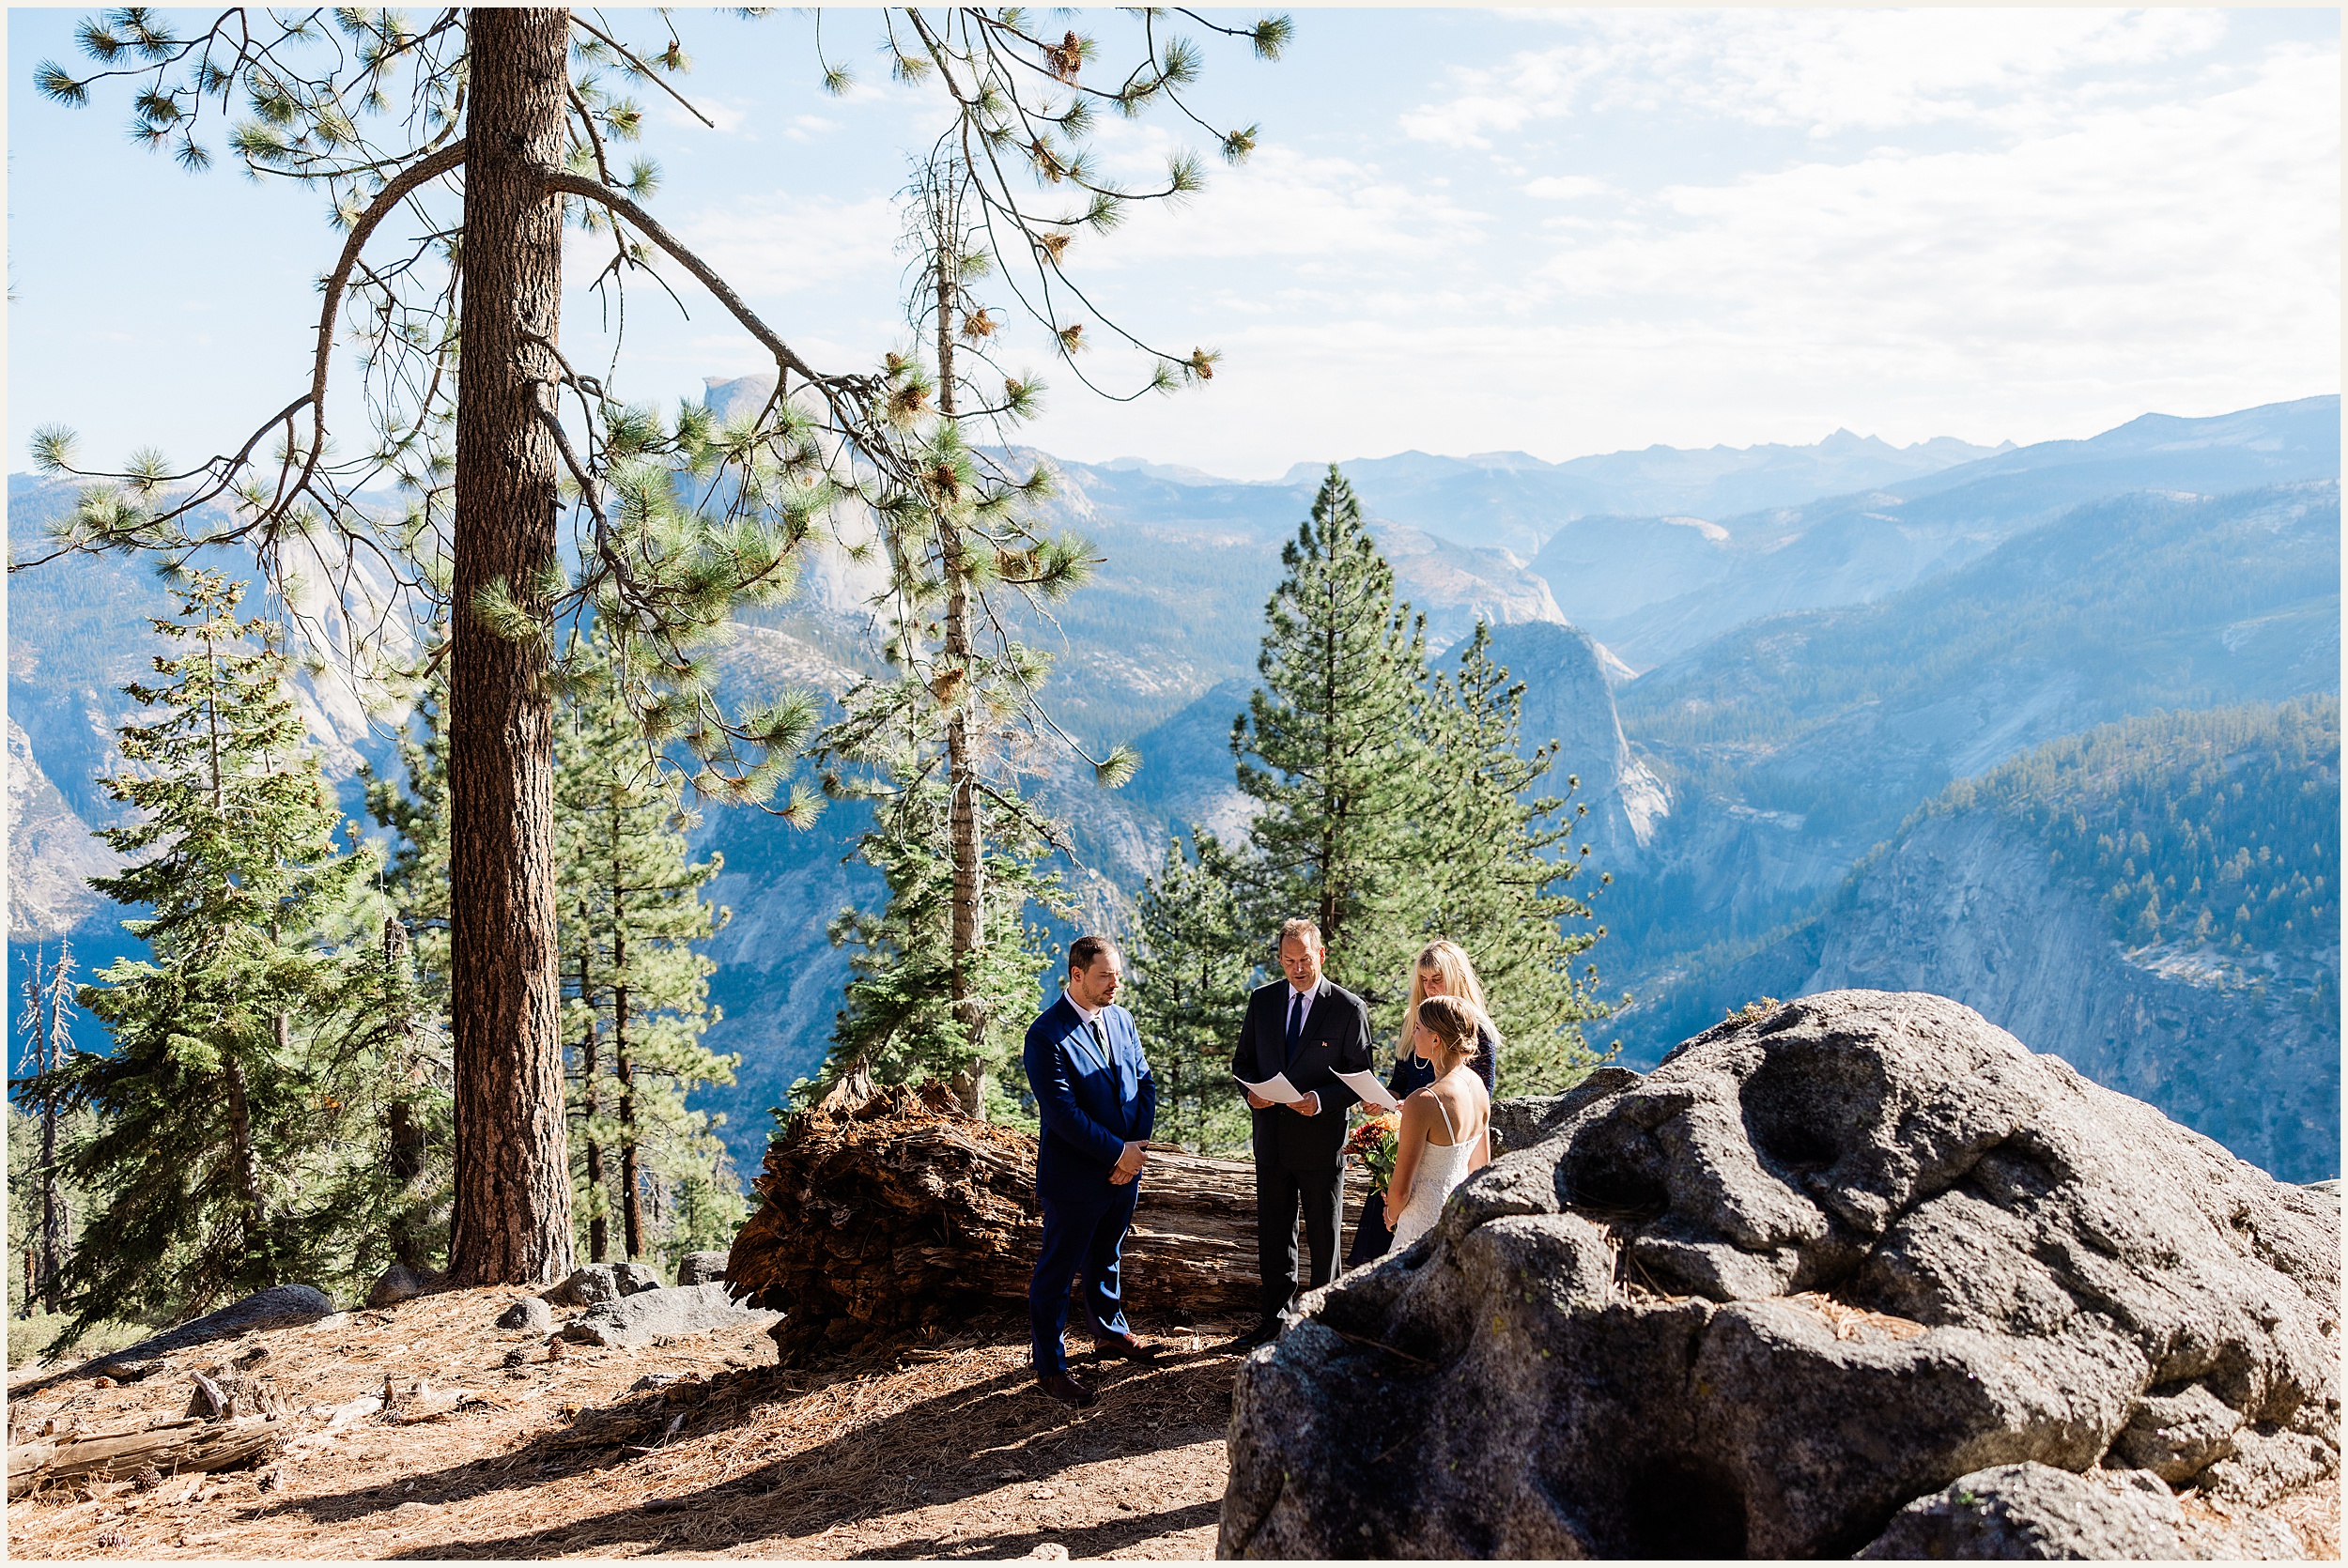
(1822, 1263)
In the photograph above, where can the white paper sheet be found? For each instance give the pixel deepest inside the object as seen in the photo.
(1372, 1092)
(1275, 1088)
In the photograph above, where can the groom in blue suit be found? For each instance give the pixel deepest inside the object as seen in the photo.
(1098, 1104)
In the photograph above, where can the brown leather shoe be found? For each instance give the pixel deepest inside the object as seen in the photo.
(1068, 1391)
(1124, 1348)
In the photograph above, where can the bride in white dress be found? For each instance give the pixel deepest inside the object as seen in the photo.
(1441, 1138)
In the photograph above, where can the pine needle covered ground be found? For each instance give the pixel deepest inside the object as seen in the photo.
(700, 1448)
(934, 1447)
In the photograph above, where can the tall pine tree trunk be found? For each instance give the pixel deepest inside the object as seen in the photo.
(968, 934)
(57, 1220)
(631, 1189)
(405, 1134)
(244, 1168)
(598, 1223)
(511, 1218)
(52, 1210)
(403, 1129)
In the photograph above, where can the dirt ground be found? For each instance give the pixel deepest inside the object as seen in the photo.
(698, 1448)
(701, 1448)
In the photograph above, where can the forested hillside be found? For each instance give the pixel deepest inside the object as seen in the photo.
(2217, 829)
(2154, 899)
(1794, 744)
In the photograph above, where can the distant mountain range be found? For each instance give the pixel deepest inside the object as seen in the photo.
(1760, 661)
(1652, 587)
(1514, 500)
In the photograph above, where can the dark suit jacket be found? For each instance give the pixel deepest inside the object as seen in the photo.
(1336, 1039)
(1091, 1107)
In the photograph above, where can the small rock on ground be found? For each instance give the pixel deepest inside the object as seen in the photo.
(702, 1268)
(531, 1313)
(399, 1283)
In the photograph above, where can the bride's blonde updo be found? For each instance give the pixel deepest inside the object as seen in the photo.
(1453, 1022)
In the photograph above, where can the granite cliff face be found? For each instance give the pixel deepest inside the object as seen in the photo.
(50, 854)
(1569, 699)
(1965, 906)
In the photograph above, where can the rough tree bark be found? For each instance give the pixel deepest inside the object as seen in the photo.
(244, 1167)
(598, 1223)
(512, 1218)
(969, 933)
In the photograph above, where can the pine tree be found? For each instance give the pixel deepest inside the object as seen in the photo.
(636, 992)
(1497, 862)
(898, 1022)
(1331, 746)
(47, 1025)
(209, 1106)
(384, 116)
(959, 711)
(1193, 969)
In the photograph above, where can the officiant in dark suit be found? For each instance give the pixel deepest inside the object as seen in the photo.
(1098, 1104)
(1308, 1030)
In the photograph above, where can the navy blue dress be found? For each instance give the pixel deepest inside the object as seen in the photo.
(1372, 1236)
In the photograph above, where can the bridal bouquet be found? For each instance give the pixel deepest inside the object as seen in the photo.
(1373, 1143)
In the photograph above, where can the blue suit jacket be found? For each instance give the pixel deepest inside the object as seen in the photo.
(1091, 1107)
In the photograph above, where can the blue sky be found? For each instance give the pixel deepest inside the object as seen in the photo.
(1563, 232)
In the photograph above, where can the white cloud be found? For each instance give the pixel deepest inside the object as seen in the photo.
(1281, 203)
(2175, 252)
(1567, 188)
(783, 243)
(1823, 70)
(2213, 224)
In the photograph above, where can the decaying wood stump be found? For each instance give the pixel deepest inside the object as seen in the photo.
(174, 1447)
(895, 1211)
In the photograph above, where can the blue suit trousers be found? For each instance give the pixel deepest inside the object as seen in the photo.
(1086, 1238)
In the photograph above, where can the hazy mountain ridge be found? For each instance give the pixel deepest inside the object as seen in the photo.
(1517, 500)
(1860, 547)
(51, 853)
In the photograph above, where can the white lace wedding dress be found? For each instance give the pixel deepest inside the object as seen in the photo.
(1440, 1170)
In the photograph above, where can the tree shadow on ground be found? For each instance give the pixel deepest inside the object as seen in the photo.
(963, 1442)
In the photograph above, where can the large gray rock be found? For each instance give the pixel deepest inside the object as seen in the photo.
(2035, 1513)
(595, 1283)
(702, 1268)
(1817, 1264)
(1519, 1124)
(281, 1306)
(650, 1315)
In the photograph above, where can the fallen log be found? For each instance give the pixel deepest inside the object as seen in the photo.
(175, 1447)
(896, 1211)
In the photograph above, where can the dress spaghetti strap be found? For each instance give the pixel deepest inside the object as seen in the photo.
(1447, 1119)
